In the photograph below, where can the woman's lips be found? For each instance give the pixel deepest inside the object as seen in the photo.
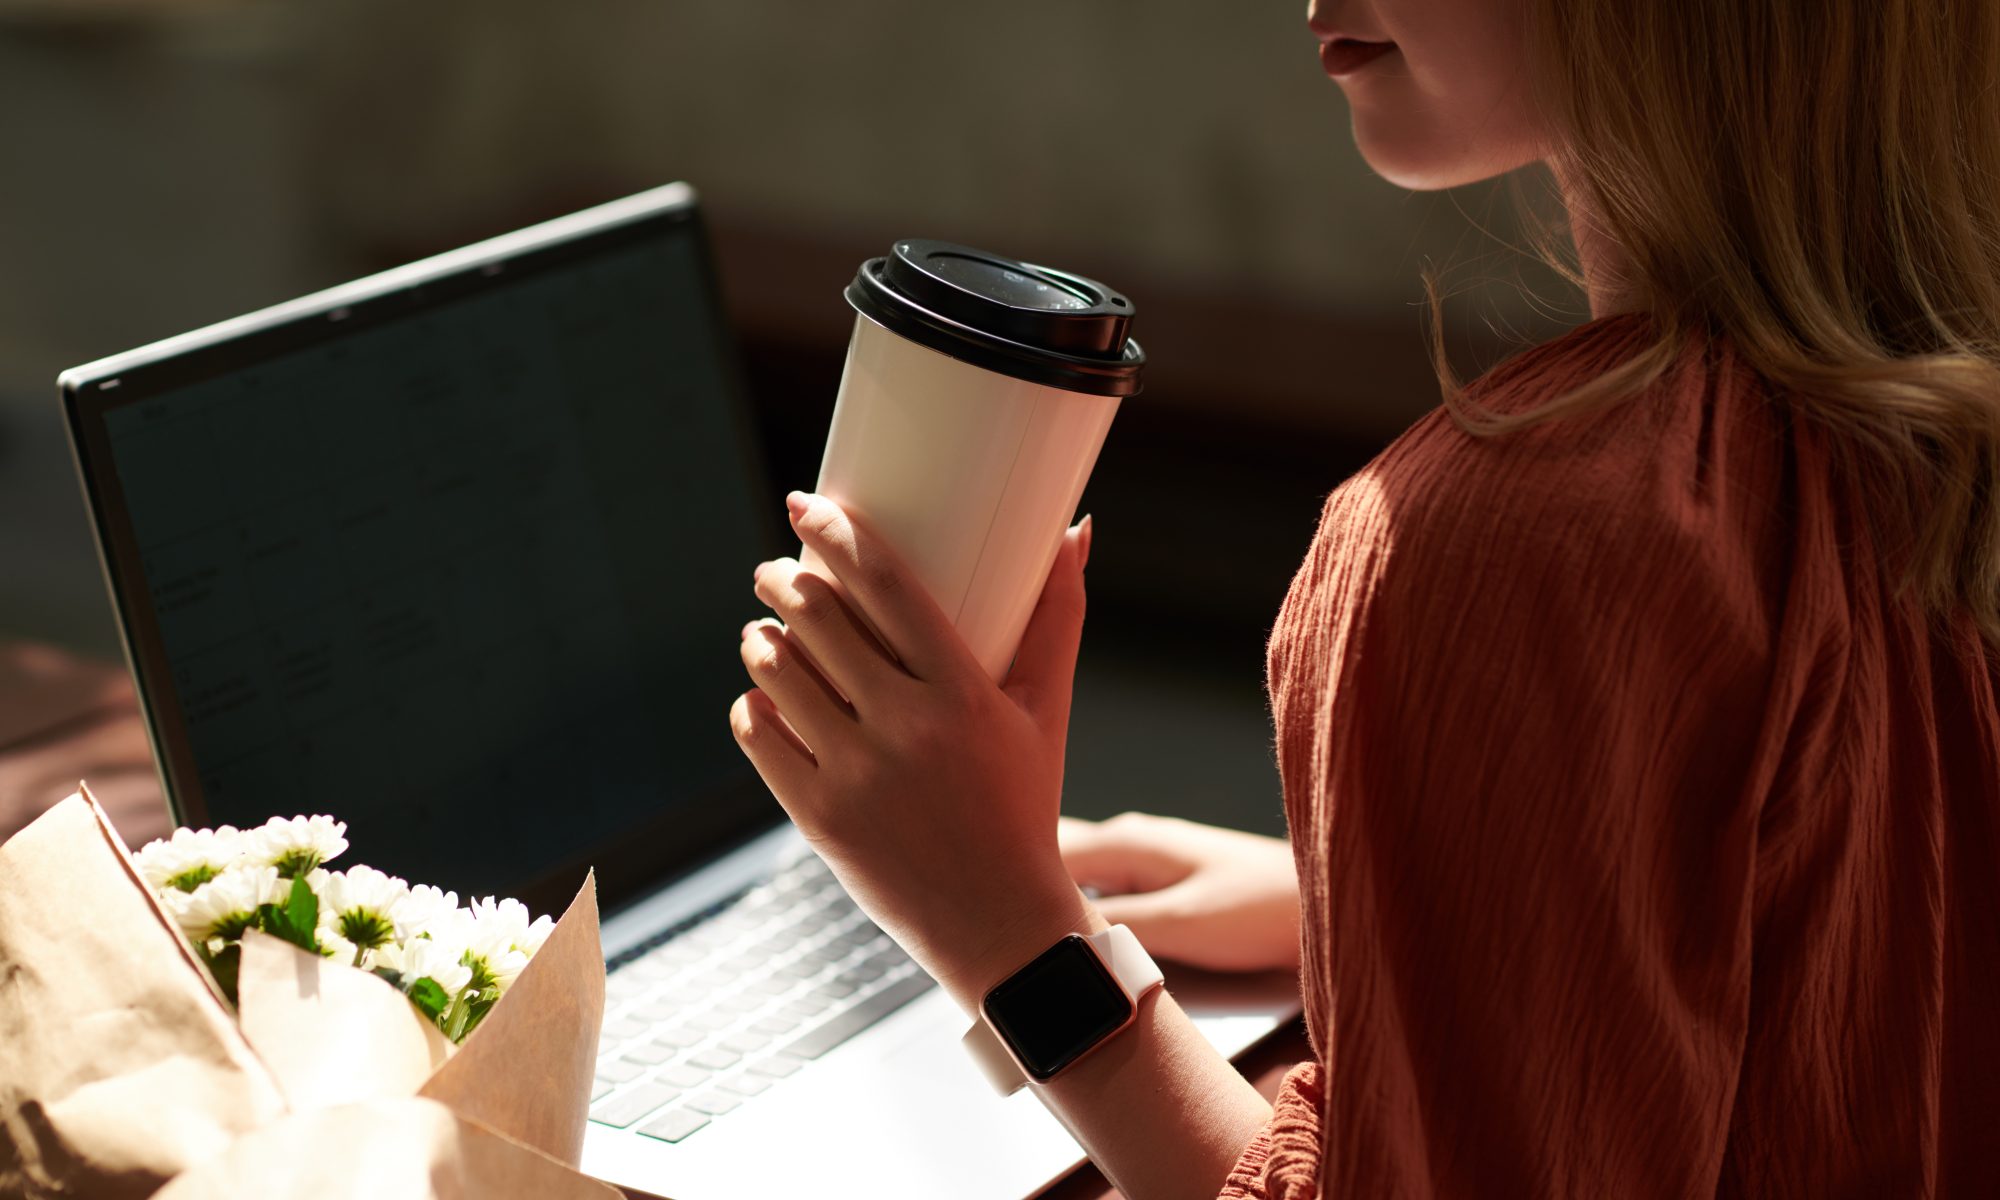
(1344, 56)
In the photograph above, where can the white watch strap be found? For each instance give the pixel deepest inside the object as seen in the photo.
(1119, 949)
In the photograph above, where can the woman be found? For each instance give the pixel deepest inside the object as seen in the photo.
(1636, 711)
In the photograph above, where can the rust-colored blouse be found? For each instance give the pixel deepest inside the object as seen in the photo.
(1647, 847)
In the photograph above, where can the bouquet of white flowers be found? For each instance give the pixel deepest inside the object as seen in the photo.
(205, 1017)
(453, 962)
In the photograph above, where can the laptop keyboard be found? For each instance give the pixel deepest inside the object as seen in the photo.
(712, 1014)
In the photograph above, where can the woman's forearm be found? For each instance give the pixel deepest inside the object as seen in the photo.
(1160, 1112)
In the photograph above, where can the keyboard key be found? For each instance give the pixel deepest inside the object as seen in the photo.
(861, 934)
(717, 1059)
(714, 1103)
(836, 988)
(621, 1029)
(619, 1071)
(776, 1023)
(777, 1066)
(676, 1124)
(600, 1088)
(653, 1014)
(747, 1084)
(681, 1075)
(829, 953)
(680, 1037)
(714, 1022)
(808, 1005)
(861, 972)
(801, 968)
(844, 1025)
(742, 1002)
(745, 1042)
(648, 1054)
(631, 1105)
(773, 985)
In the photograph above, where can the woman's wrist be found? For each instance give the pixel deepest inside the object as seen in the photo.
(1009, 937)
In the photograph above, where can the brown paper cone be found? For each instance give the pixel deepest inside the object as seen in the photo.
(383, 1150)
(120, 1066)
(331, 1034)
(526, 1071)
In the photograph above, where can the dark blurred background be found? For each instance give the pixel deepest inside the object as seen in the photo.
(168, 163)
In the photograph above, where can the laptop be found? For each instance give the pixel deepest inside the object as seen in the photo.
(458, 553)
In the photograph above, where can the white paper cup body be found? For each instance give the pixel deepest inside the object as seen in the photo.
(972, 476)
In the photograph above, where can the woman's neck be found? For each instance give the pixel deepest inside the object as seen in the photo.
(1609, 283)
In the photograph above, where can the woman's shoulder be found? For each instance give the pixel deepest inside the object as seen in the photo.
(1671, 498)
(1697, 452)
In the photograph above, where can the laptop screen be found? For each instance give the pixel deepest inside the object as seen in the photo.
(466, 572)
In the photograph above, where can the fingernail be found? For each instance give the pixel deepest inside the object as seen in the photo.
(796, 502)
(1084, 536)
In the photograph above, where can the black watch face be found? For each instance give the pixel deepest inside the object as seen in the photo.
(1057, 1007)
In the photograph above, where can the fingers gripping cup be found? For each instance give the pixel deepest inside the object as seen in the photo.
(976, 396)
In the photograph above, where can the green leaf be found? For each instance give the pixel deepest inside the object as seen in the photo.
(223, 966)
(272, 920)
(479, 1009)
(303, 908)
(296, 921)
(429, 997)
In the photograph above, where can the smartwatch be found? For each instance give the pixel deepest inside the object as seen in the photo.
(1060, 1007)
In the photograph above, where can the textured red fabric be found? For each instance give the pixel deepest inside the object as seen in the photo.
(1647, 846)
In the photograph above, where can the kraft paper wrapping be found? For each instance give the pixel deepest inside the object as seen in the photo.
(383, 1148)
(330, 1034)
(541, 1038)
(121, 1066)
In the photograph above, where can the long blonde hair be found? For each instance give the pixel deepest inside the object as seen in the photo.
(1819, 182)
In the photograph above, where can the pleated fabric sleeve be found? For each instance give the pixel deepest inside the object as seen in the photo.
(1647, 846)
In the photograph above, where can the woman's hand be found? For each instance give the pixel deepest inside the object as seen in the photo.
(1212, 897)
(930, 792)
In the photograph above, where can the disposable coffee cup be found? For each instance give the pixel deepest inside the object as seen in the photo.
(976, 396)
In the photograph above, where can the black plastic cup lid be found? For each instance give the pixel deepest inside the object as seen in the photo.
(1033, 323)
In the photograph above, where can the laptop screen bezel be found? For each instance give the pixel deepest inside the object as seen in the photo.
(628, 864)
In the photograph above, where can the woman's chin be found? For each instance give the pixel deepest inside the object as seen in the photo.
(1428, 160)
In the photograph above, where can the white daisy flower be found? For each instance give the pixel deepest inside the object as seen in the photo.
(426, 908)
(296, 845)
(440, 961)
(530, 943)
(226, 905)
(364, 906)
(340, 950)
(497, 939)
(387, 957)
(188, 859)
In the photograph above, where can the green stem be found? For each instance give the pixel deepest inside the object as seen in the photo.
(458, 1014)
